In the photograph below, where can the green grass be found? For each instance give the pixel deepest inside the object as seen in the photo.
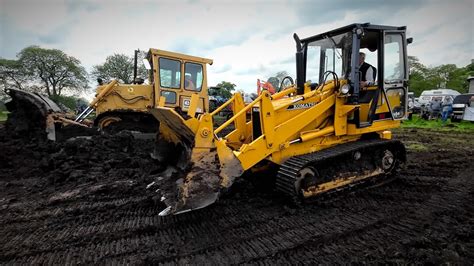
(417, 122)
(3, 116)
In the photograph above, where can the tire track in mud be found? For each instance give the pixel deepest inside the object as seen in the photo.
(243, 241)
(407, 220)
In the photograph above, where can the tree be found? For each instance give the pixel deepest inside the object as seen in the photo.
(53, 69)
(443, 76)
(12, 74)
(225, 89)
(120, 67)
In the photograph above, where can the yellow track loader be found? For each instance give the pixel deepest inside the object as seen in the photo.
(325, 133)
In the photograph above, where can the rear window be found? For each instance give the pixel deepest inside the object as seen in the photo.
(464, 99)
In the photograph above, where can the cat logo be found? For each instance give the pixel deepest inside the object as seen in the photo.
(186, 102)
(300, 106)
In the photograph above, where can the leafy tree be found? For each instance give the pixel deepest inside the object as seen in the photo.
(225, 89)
(415, 66)
(120, 67)
(12, 74)
(54, 69)
(443, 76)
(43, 70)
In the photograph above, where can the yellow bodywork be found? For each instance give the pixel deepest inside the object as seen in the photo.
(140, 98)
(126, 97)
(290, 126)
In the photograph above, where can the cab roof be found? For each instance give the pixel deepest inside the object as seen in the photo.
(181, 56)
(347, 28)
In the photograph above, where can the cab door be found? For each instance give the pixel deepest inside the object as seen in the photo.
(169, 81)
(194, 83)
(395, 73)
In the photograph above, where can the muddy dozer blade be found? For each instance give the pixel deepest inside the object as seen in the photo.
(175, 139)
(196, 175)
(211, 173)
(174, 128)
(32, 111)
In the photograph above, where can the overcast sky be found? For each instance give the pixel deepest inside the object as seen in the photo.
(246, 39)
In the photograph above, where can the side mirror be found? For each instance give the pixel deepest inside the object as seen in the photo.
(147, 64)
(214, 88)
(409, 40)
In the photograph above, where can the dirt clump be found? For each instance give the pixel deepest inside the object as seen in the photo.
(84, 201)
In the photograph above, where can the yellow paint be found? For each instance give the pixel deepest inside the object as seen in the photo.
(337, 183)
(115, 97)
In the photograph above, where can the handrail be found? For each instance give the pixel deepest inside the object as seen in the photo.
(103, 93)
(284, 92)
(250, 105)
(223, 106)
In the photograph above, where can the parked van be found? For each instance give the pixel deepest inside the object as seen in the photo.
(428, 95)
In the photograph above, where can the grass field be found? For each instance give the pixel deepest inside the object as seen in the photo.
(417, 122)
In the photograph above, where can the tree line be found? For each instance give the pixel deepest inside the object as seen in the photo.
(444, 76)
(53, 72)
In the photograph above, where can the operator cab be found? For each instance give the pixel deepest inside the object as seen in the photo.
(337, 55)
(176, 77)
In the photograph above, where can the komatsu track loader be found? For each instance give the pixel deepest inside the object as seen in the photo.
(325, 133)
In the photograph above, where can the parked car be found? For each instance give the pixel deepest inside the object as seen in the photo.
(460, 105)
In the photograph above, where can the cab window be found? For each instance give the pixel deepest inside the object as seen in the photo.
(170, 96)
(394, 64)
(193, 77)
(170, 73)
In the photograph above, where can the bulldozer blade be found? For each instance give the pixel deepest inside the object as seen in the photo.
(174, 128)
(212, 171)
(201, 174)
(175, 140)
(201, 186)
(32, 111)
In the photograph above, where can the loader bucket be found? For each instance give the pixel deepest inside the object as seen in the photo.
(199, 171)
(30, 112)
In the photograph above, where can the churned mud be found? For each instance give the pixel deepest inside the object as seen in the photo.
(85, 201)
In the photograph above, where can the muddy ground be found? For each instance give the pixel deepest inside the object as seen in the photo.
(84, 201)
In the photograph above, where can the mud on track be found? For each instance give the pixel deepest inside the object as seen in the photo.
(85, 201)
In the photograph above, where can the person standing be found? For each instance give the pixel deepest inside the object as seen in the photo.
(447, 107)
(435, 106)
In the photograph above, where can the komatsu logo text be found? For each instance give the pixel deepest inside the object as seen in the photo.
(300, 106)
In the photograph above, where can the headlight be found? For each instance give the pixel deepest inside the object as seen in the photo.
(345, 88)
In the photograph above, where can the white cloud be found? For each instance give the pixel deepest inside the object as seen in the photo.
(246, 39)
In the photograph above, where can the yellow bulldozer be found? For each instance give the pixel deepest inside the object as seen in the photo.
(325, 133)
(173, 78)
